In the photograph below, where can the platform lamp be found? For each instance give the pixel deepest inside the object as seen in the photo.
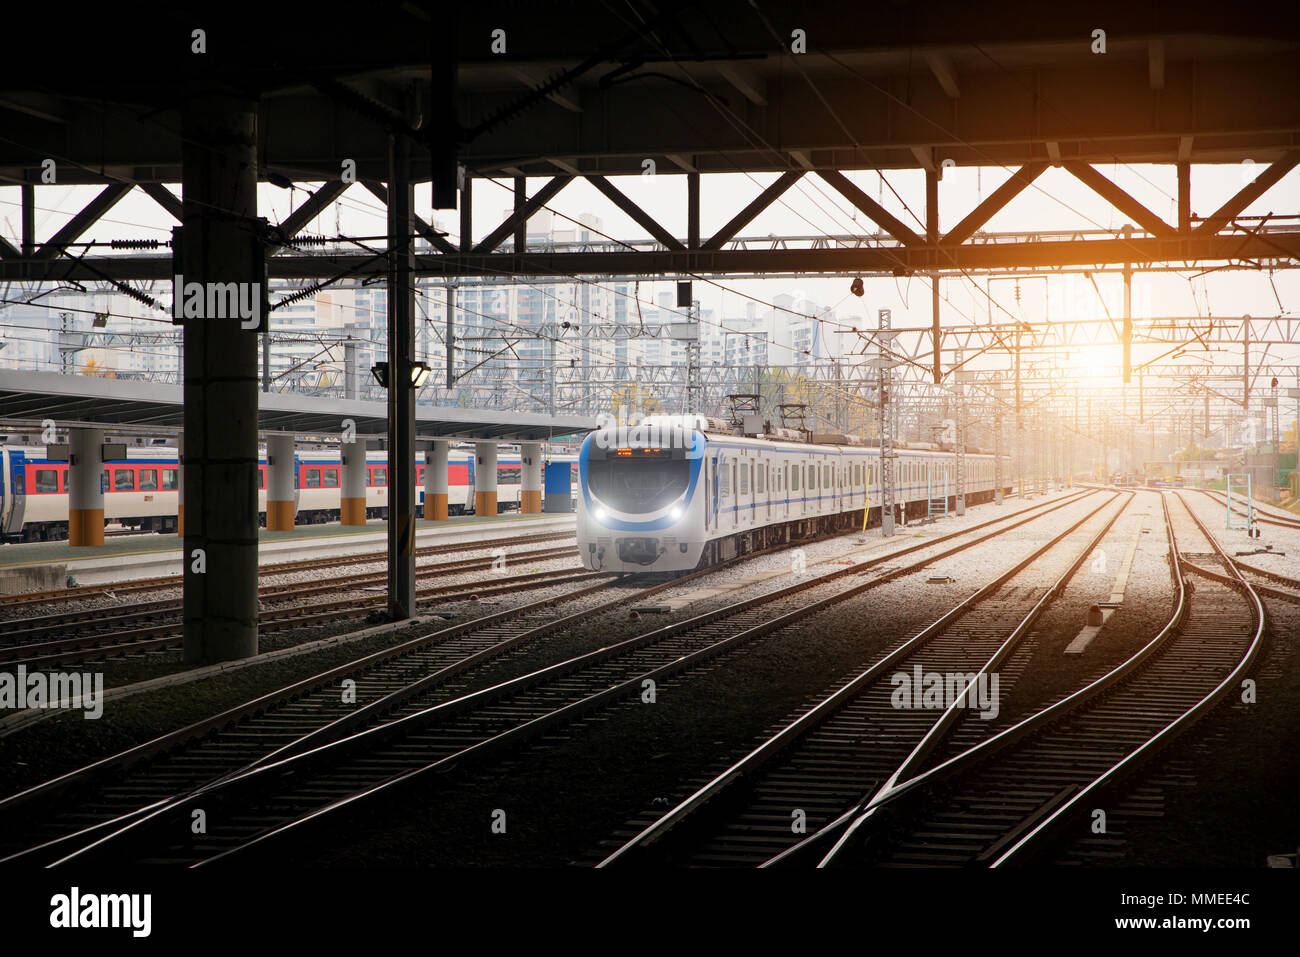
(419, 373)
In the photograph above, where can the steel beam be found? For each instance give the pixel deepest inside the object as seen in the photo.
(637, 214)
(29, 219)
(743, 218)
(996, 201)
(165, 198)
(1121, 200)
(467, 213)
(693, 211)
(312, 207)
(435, 239)
(1277, 247)
(865, 204)
(519, 218)
(107, 198)
(1248, 194)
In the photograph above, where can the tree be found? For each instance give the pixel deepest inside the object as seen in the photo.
(94, 368)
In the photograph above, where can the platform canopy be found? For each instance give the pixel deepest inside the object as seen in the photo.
(29, 398)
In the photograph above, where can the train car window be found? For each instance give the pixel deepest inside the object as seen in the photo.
(261, 478)
(760, 476)
(123, 480)
(419, 475)
(508, 476)
(381, 476)
(638, 484)
(148, 480)
(744, 480)
(103, 480)
(724, 482)
(312, 477)
(171, 478)
(794, 479)
(331, 479)
(47, 480)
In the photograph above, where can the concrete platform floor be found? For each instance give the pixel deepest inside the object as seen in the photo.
(38, 566)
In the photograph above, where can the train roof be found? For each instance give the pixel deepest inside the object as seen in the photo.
(864, 445)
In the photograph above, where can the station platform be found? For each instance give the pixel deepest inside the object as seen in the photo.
(43, 566)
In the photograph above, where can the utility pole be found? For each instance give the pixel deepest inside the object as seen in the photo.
(998, 480)
(888, 424)
(450, 337)
(960, 498)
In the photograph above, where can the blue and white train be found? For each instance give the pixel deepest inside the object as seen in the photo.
(678, 493)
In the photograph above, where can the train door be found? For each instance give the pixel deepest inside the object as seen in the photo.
(13, 491)
(735, 495)
(710, 492)
(745, 498)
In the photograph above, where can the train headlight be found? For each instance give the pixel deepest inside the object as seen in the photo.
(600, 514)
(676, 513)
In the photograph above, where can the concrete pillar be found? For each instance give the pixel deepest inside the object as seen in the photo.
(435, 481)
(352, 502)
(485, 479)
(180, 486)
(281, 509)
(220, 233)
(85, 493)
(530, 483)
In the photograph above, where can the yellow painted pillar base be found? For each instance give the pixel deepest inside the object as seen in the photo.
(485, 503)
(180, 520)
(279, 516)
(353, 511)
(435, 506)
(85, 526)
(530, 503)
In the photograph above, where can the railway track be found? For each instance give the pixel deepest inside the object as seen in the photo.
(1268, 583)
(991, 802)
(267, 571)
(157, 626)
(1017, 794)
(844, 748)
(284, 722)
(303, 789)
(1262, 513)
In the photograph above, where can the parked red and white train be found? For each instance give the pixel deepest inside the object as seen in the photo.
(678, 493)
(141, 490)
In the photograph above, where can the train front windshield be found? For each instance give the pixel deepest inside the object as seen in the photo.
(640, 483)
